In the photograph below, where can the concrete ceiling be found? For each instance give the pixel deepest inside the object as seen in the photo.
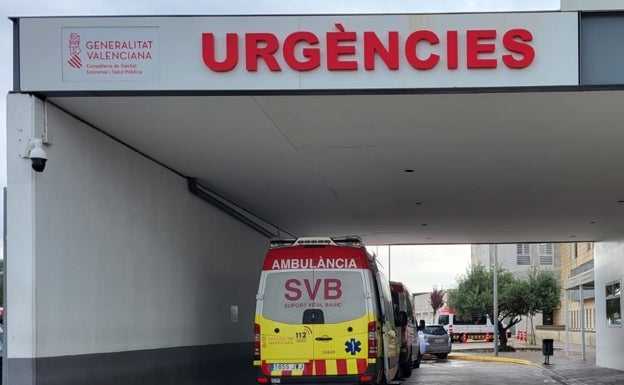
(394, 168)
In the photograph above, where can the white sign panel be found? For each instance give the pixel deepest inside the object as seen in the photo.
(336, 52)
(114, 53)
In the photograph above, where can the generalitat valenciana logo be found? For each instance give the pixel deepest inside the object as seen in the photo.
(74, 51)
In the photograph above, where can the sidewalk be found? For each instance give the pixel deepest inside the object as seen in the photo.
(567, 368)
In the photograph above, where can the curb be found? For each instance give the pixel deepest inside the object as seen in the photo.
(495, 359)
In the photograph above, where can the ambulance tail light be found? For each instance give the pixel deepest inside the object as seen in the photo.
(372, 340)
(256, 342)
(404, 333)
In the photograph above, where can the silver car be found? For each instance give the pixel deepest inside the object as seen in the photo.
(434, 340)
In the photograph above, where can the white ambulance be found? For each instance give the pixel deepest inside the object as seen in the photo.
(324, 315)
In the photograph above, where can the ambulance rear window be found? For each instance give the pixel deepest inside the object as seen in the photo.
(339, 295)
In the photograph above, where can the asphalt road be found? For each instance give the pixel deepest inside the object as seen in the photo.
(445, 372)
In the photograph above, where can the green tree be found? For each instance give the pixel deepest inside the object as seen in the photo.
(474, 296)
(513, 302)
(544, 293)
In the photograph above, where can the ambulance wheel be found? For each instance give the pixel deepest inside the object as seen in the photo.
(383, 378)
(406, 369)
(416, 364)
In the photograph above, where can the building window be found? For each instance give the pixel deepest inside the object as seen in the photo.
(546, 254)
(573, 249)
(590, 246)
(523, 254)
(547, 317)
(613, 295)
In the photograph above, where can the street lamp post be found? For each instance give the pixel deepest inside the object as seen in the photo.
(495, 320)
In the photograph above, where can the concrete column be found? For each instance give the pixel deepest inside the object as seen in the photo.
(582, 320)
(25, 120)
(567, 322)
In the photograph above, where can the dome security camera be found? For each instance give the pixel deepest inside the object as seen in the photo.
(38, 156)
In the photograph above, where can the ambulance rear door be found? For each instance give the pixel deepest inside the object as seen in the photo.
(287, 342)
(341, 330)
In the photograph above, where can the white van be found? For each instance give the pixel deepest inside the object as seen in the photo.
(324, 315)
(477, 328)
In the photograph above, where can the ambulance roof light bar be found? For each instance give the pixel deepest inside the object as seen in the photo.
(351, 240)
(314, 241)
(281, 242)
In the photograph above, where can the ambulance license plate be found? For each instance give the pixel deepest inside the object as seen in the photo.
(275, 367)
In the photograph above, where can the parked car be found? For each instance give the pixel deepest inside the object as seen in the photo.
(434, 340)
(408, 331)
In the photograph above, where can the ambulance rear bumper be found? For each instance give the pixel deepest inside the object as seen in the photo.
(370, 377)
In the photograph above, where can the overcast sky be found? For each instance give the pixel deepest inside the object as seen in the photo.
(423, 267)
(452, 258)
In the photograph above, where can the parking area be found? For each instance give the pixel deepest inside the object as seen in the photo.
(444, 372)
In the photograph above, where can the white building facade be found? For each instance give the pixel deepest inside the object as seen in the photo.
(609, 273)
(519, 258)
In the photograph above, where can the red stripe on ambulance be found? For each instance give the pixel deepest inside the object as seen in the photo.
(319, 367)
(341, 366)
(362, 364)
